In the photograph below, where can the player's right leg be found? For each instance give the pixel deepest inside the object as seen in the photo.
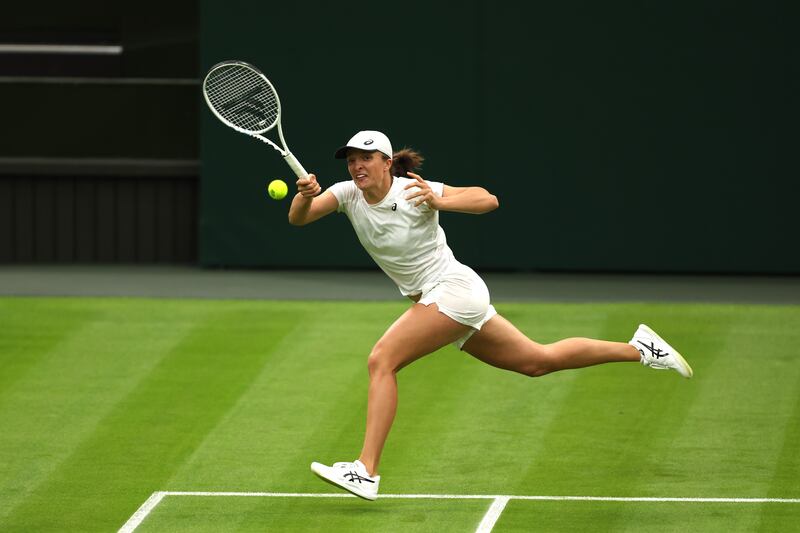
(419, 331)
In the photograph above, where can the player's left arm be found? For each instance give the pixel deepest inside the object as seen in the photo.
(473, 200)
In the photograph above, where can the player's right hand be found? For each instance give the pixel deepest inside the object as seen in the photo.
(308, 186)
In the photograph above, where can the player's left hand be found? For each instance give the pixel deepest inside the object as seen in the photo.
(424, 194)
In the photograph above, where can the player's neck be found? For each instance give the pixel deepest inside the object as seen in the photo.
(375, 195)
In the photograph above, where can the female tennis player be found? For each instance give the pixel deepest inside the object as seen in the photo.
(395, 214)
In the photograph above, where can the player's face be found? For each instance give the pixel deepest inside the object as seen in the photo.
(367, 168)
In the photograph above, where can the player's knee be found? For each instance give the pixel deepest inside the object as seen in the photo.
(539, 361)
(535, 371)
(379, 361)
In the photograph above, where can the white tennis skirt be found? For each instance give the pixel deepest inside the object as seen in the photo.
(462, 295)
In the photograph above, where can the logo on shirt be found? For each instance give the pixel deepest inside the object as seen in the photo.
(368, 142)
(394, 206)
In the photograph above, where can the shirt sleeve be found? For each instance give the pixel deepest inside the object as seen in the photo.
(345, 192)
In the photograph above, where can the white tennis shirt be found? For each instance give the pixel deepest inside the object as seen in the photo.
(405, 241)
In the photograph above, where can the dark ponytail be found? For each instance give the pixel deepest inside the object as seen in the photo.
(406, 160)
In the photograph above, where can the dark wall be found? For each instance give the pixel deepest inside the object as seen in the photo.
(99, 152)
(85, 119)
(97, 219)
(621, 136)
(655, 136)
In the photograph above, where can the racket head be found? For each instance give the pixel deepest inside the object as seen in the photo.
(242, 97)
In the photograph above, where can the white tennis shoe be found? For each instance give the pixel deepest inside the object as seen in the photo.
(352, 477)
(656, 353)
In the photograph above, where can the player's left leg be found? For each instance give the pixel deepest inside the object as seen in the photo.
(499, 343)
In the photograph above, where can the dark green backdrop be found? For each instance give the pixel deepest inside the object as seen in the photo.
(622, 136)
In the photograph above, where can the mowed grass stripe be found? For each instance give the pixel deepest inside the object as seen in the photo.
(431, 403)
(479, 418)
(346, 515)
(600, 419)
(339, 387)
(750, 395)
(657, 517)
(147, 435)
(312, 387)
(549, 325)
(786, 468)
(30, 331)
(744, 398)
(786, 473)
(642, 449)
(69, 388)
(488, 423)
(712, 436)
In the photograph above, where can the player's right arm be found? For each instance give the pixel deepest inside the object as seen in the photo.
(306, 206)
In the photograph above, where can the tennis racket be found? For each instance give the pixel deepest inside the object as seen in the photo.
(243, 98)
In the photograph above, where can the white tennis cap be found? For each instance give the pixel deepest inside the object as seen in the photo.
(368, 140)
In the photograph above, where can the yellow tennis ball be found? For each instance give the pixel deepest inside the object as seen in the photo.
(277, 189)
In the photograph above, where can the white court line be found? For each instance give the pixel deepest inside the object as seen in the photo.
(142, 512)
(491, 516)
(486, 525)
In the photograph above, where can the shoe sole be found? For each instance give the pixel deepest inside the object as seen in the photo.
(351, 490)
(681, 361)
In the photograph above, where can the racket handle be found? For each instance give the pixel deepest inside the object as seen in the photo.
(295, 165)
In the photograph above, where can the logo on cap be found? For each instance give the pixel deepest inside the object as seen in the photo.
(368, 142)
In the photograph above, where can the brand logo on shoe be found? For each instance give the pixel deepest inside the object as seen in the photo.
(352, 477)
(658, 353)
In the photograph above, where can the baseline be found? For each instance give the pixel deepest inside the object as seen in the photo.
(487, 523)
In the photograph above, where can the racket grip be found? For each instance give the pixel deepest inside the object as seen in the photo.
(295, 165)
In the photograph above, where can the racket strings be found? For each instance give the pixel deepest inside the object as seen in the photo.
(243, 98)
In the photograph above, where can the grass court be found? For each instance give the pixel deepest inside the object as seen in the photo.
(105, 401)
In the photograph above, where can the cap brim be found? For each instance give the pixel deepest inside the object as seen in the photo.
(341, 153)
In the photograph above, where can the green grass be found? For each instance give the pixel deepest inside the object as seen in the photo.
(104, 401)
